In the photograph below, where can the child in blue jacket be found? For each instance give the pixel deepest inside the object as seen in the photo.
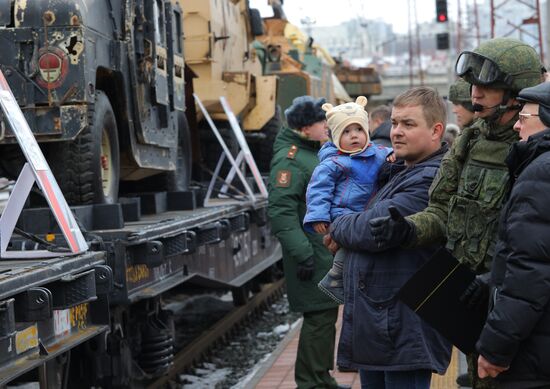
(345, 179)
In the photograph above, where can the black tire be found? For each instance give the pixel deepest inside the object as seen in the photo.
(178, 180)
(264, 149)
(81, 165)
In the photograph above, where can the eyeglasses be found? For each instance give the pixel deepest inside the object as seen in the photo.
(484, 70)
(524, 116)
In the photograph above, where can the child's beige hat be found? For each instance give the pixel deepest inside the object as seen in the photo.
(341, 116)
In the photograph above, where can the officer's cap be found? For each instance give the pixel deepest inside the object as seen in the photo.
(539, 94)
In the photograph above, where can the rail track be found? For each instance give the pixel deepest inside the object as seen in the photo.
(219, 332)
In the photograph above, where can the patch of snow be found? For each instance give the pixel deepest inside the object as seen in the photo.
(245, 380)
(227, 297)
(282, 329)
(206, 377)
(263, 335)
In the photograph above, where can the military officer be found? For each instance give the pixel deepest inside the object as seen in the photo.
(467, 194)
(305, 259)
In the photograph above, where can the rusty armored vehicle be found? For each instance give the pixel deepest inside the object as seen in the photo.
(359, 81)
(223, 60)
(303, 67)
(101, 84)
(259, 65)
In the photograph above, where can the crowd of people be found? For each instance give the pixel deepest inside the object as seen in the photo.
(360, 201)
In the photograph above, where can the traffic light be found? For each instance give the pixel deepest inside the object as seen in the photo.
(441, 11)
(442, 41)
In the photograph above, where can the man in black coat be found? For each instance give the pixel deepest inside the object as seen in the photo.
(514, 345)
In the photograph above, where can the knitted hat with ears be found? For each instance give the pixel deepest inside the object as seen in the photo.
(341, 116)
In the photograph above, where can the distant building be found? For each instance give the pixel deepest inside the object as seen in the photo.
(357, 38)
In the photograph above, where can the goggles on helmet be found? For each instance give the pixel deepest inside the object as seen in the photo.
(484, 70)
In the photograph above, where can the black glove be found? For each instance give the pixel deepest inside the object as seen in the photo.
(476, 295)
(391, 231)
(305, 269)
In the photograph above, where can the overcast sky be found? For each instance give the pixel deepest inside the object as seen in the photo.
(334, 12)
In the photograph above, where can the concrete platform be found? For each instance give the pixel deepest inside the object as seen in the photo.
(278, 369)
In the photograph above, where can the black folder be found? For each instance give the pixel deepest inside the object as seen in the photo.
(434, 291)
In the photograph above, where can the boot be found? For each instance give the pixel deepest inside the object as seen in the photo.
(333, 287)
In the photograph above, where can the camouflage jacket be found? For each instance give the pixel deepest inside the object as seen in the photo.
(467, 195)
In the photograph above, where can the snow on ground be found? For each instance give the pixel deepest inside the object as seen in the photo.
(207, 377)
(236, 363)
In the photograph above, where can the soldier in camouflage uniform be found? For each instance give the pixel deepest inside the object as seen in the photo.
(459, 96)
(305, 259)
(467, 194)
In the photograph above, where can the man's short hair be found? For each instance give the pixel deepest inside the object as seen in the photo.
(382, 112)
(433, 105)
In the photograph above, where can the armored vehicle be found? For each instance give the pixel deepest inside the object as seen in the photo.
(105, 89)
(359, 81)
(101, 84)
(302, 67)
(220, 52)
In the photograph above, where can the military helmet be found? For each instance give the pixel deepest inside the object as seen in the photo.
(540, 95)
(502, 63)
(459, 92)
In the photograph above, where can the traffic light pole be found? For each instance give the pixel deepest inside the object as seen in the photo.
(418, 51)
(411, 73)
(459, 28)
(476, 17)
(441, 16)
(547, 60)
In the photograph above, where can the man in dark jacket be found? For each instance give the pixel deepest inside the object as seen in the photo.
(391, 345)
(305, 258)
(515, 343)
(467, 195)
(380, 125)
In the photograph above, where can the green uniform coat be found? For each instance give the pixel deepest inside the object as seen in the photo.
(467, 195)
(294, 159)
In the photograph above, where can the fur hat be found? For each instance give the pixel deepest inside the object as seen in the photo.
(304, 111)
(343, 115)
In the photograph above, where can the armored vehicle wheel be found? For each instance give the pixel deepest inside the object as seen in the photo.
(178, 180)
(87, 168)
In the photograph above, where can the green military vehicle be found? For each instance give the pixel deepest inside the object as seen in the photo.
(302, 67)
